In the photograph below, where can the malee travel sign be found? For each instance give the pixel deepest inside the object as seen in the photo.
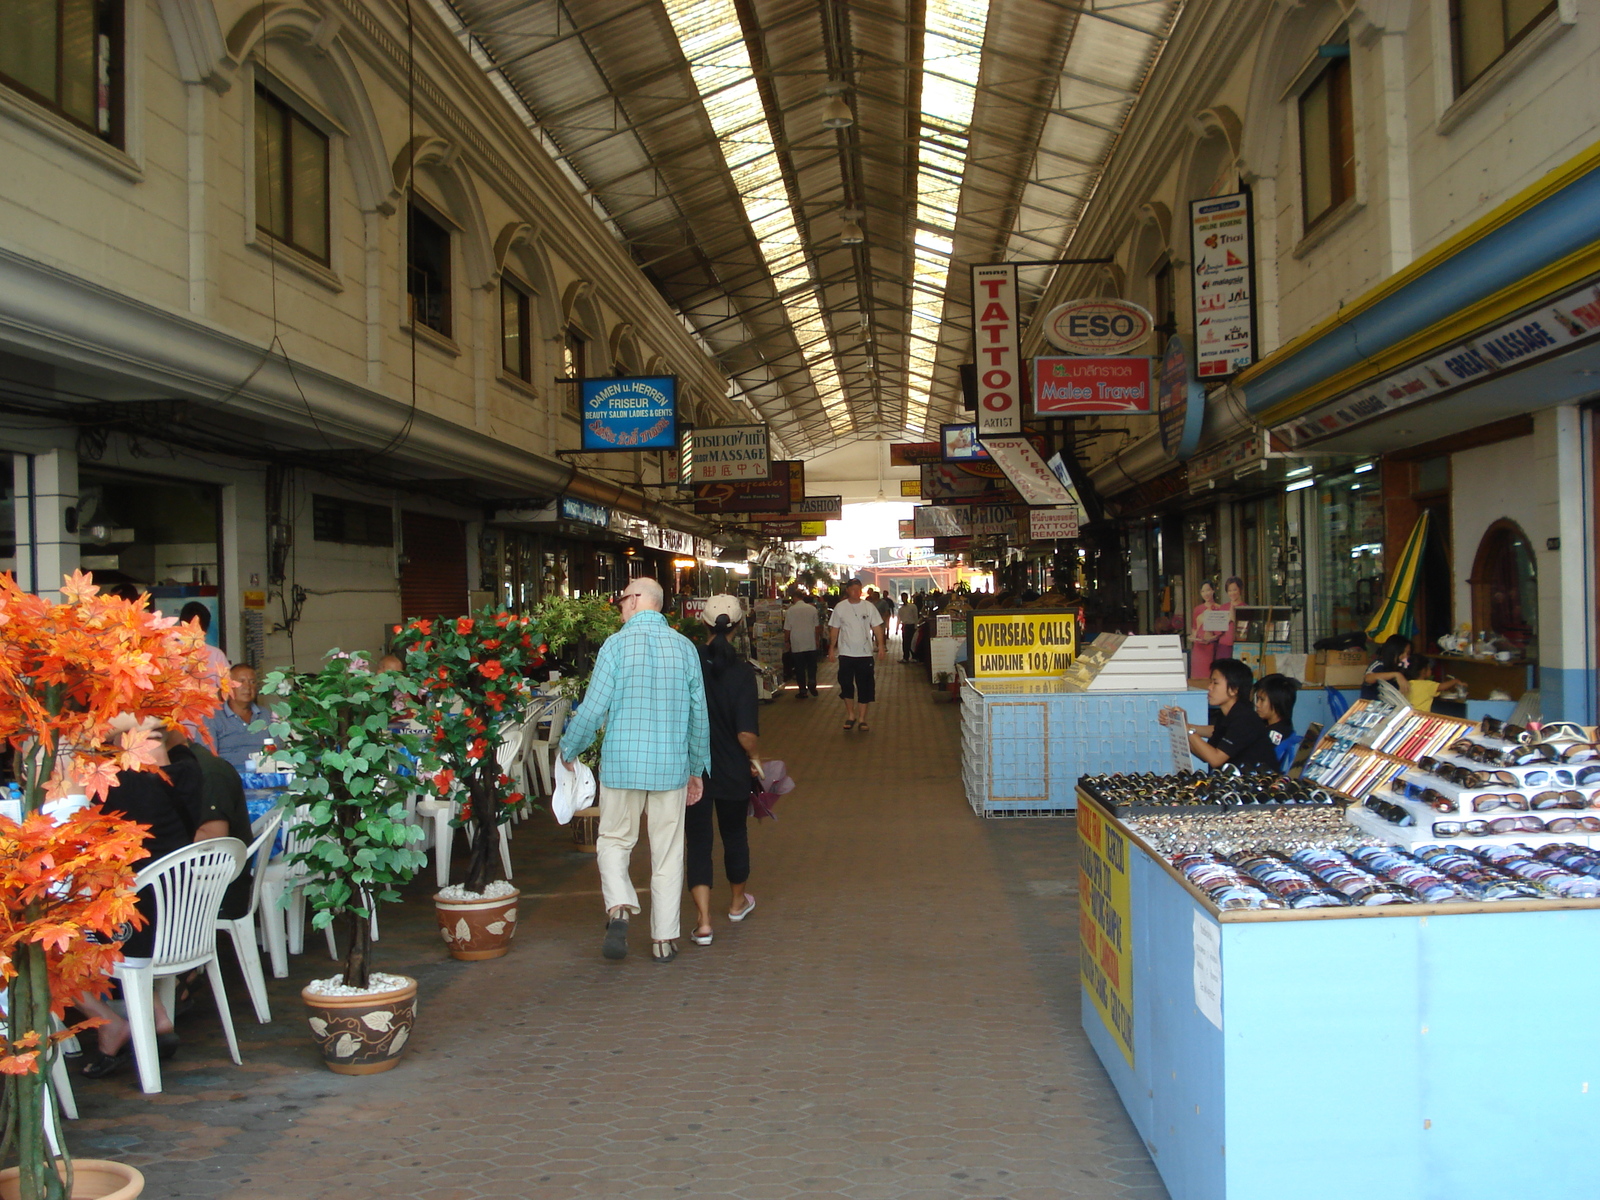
(1091, 386)
(1220, 241)
(732, 452)
(995, 337)
(630, 414)
(1015, 644)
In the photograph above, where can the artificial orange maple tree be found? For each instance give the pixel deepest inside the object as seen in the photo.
(67, 670)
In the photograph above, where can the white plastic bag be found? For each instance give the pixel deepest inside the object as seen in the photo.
(574, 790)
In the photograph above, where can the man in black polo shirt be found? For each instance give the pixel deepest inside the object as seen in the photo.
(1239, 736)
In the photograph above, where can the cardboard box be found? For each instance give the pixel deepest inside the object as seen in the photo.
(1343, 675)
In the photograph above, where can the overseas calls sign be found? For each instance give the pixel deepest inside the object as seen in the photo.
(994, 333)
(1013, 644)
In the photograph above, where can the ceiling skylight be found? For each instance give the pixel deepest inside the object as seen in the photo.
(713, 42)
(951, 55)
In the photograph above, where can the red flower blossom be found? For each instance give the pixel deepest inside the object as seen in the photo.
(492, 669)
(492, 644)
(502, 618)
(478, 749)
(423, 626)
(494, 700)
(464, 625)
(443, 781)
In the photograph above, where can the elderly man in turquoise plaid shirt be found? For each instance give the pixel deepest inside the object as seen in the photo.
(648, 693)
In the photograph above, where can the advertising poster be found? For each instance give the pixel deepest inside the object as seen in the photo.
(960, 444)
(951, 484)
(912, 454)
(1221, 242)
(745, 495)
(1105, 955)
(1010, 644)
(1091, 386)
(1028, 473)
(630, 414)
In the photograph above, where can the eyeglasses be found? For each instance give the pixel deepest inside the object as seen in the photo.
(1512, 800)
(1524, 824)
(1548, 800)
(629, 596)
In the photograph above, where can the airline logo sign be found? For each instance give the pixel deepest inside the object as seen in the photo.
(1088, 386)
(1222, 250)
(1097, 326)
(994, 310)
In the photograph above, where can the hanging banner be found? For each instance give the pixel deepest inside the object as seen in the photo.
(958, 485)
(1099, 326)
(1221, 246)
(570, 508)
(745, 496)
(1048, 524)
(1181, 403)
(960, 444)
(1091, 386)
(797, 482)
(961, 520)
(995, 338)
(1035, 482)
(911, 487)
(1105, 925)
(790, 529)
(629, 414)
(813, 508)
(912, 454)
(1015, 643)
(733, 452)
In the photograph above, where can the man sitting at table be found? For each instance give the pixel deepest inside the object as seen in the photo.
(232, 738)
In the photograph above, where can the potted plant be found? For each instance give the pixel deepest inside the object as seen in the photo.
(471, 668)
(66, 670)
(574, 628)
(334, 728)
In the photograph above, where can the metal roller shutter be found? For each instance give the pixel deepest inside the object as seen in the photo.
(433, 581)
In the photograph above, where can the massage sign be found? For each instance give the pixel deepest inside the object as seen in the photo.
(1015, 644)
(995, 350)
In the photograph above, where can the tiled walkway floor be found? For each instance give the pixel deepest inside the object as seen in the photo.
(899, 1018)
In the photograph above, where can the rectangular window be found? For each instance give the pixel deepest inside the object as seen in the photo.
(1327, 142)
(351, 522)
(428, 270)
(291, 177)
(516, 342)
(66, 55)
(575, 365)
(1481, 31)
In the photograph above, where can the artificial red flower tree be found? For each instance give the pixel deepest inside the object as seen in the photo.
(67, 670)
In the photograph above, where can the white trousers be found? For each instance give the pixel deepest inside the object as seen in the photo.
(620, 809)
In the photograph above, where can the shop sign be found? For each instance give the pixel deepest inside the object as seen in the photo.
(960, 444)
(912, 454)
(1569, 320)
(908, 530)
(816, 508)
(1035, 482)
(789, 528)
(962, 520)
(1097, 326)
(630, 414)
(1010, 644)
(730, 453)
(1222, 250)
(950, 484)
(1091, 386)
(570, 508)
(1047, 524)
(995, 329)
(1220, 460)
(1105, 927)
(797, 483)
(673, 541)
(911, 487)
(1181, 404)
(690, 607)
(745, 496)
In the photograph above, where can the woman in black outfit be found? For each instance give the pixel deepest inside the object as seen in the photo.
(732, 704)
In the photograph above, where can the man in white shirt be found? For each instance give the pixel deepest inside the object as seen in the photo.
(800, 623)
(908, 617)
(856, 635)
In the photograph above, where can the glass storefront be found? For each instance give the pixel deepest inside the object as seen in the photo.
(1348, 509)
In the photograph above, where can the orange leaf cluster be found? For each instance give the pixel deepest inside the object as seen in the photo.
(66, 669)
(59, 882)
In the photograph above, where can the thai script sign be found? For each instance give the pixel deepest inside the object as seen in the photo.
(1090, 386)
(733, 452)
(1045, 524)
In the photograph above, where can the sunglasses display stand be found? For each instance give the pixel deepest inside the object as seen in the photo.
(1201, 1016)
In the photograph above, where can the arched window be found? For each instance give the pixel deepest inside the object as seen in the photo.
(1505, 587)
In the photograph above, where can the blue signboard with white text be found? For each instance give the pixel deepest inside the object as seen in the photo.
(630, 414)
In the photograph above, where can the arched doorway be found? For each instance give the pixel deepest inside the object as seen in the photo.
(1505, 587)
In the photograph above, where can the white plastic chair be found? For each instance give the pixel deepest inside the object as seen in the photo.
(60, 1083)
(441, 810)
(284, 931)
(243, 929)
(188, 884)
(541, 750)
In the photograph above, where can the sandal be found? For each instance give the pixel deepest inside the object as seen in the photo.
(616, 944)
(663, 952)
(849, 725)
(746, 910)
(863, 727)
(702, 939)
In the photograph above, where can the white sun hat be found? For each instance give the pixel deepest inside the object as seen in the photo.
(720, 606)
(574, 790)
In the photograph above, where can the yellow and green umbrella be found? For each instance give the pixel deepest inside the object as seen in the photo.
(1397, 613)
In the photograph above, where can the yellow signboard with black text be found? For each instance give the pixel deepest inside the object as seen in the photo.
(1017, 643)
(1105, 955)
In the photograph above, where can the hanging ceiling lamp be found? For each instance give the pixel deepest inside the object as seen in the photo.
(850, 232)
(836, 113)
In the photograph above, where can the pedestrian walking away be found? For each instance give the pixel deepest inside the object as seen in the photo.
(800, 624)
(733, 710)
(856, 636)
(908, 618)
(648, 693)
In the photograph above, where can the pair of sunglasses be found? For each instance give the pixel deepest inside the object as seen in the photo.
(1526, 824)
(1568, 799)
(1512, 800)
(1390, 811)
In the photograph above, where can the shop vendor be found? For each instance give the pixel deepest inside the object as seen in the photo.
(1238, 735)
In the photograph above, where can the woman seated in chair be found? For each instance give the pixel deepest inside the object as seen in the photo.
(164, 805)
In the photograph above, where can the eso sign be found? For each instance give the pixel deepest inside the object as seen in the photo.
(1105, 327)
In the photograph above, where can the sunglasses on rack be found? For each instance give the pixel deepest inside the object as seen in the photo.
(1524, 824)
(1569, 799)
(1490, 803)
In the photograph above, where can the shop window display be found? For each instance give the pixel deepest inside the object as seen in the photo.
(1349, 509)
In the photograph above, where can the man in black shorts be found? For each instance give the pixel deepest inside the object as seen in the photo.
(856, 636)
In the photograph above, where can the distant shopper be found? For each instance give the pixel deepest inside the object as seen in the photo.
(648, 692)
(1393, 665)
(216, 660)
(908, 617)
(856, 636)
(883, 604)
(232, 739)
(800, 624)
(1239, 736)
(733, 710)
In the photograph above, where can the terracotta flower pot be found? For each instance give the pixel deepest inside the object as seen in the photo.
(92, 1179)
(362, 1035)
(475, 929)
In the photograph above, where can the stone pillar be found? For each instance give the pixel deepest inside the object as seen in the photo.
(46, 487)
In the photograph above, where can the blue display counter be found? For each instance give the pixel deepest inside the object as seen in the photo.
(1417, 1052)
(1025, 742)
